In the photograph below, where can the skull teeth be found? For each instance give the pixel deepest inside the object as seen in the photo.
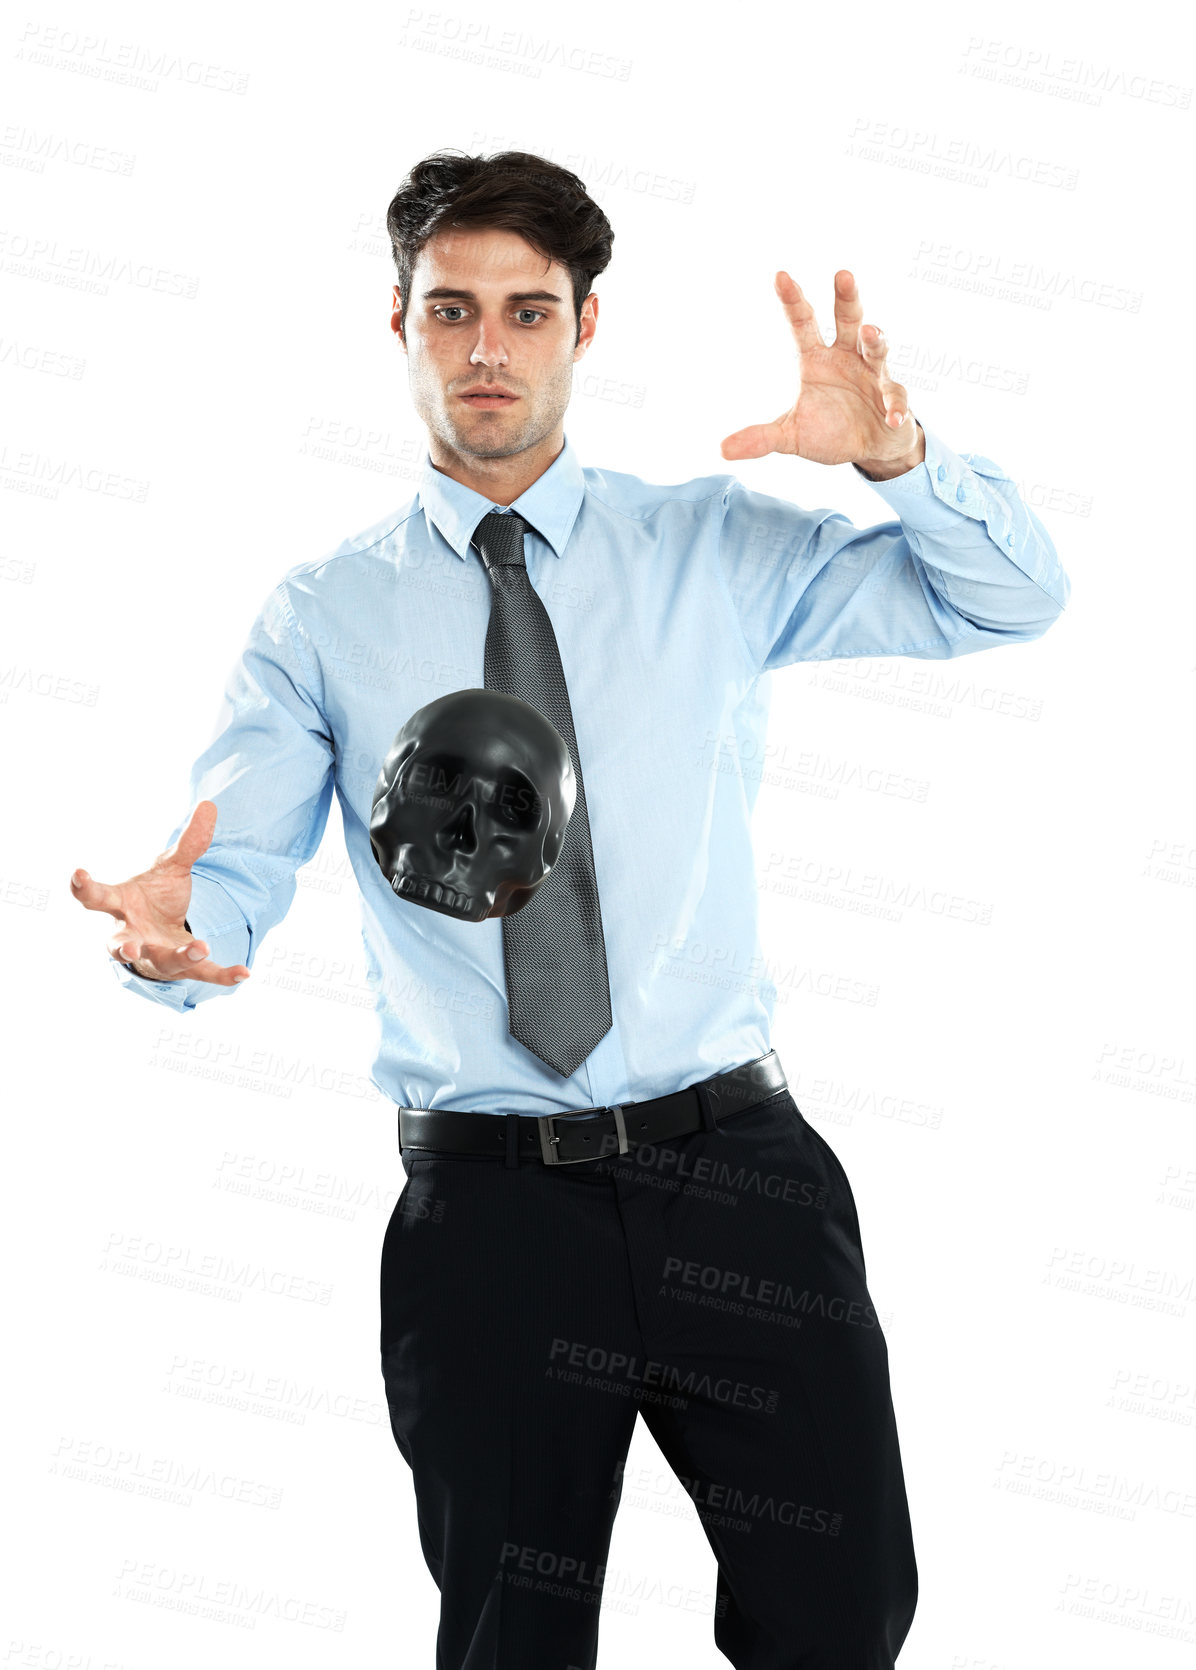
(419, 887)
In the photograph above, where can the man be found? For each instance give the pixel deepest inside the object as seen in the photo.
(677, 1240)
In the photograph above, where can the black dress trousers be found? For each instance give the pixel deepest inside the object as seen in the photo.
(714, 1283)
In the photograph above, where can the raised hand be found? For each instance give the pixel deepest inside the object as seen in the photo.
(151, 908)
(848, 409)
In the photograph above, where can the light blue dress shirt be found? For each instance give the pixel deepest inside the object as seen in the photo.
(671, 605)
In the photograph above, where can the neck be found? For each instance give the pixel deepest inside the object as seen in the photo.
(501, 480)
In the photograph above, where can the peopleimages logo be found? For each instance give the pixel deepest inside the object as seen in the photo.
(740, 1286)
(725, 1499)
(735, 1180)
(719, 1503)
(619, 1366)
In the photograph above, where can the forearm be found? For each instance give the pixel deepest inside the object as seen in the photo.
(979, 545)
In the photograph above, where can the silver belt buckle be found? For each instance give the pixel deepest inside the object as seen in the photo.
(549, 1140)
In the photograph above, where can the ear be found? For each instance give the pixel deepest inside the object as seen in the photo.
(588, 325)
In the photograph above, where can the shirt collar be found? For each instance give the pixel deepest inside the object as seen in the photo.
(550, 504)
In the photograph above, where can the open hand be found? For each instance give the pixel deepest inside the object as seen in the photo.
(151, 908)
(848, 409)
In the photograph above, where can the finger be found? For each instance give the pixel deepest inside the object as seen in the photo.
(849, 310)
(874, 346)
(753, 442)
(215, 975)
(875, 349)
(129, 947)
(798, 312)
(164, 962)
(896, 404)
(194, 838)
(96, 895)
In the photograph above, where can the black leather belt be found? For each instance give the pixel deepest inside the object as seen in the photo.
(591, 1133)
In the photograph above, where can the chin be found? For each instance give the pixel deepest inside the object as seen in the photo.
(479, 444)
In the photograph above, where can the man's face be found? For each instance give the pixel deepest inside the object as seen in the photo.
(487, 311)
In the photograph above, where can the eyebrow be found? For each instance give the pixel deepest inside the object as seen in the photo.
(443, 293)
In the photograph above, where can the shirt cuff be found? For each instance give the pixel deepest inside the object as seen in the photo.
(947, 485)
(947, 490)
(227, 941)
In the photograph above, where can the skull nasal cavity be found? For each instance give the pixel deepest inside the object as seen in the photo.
(460, 831)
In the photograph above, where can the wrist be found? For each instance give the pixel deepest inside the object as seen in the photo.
(887, 469)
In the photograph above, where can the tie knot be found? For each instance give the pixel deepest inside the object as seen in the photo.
(499, 538)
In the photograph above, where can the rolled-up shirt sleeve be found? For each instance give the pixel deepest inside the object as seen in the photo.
(269, 768)
(963, 565)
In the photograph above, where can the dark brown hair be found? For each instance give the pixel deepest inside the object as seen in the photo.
(513, 190)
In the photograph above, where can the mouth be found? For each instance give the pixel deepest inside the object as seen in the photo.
(488, 402)
(438, 896)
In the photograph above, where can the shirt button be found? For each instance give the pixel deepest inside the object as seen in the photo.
(1009, 539)
(942, 472)
(960, 494)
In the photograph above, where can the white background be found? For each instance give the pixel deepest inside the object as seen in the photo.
(201, 389)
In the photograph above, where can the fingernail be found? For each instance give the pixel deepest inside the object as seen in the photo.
(195, 954)
(237, 979)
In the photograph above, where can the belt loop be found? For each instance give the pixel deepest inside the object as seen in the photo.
(512, 1160)
(705, 1105)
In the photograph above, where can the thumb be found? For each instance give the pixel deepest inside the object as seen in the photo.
(194, 838)
(754, 441)
(96, 895)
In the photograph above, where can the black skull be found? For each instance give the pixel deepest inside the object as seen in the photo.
(472, 804)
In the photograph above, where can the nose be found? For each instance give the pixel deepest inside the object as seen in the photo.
(460, 832)
(489, 348)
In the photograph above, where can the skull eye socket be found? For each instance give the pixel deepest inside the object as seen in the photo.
(515, 805)
(440, 782)
(431, 778)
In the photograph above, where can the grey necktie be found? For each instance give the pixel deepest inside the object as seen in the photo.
(558, 994)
